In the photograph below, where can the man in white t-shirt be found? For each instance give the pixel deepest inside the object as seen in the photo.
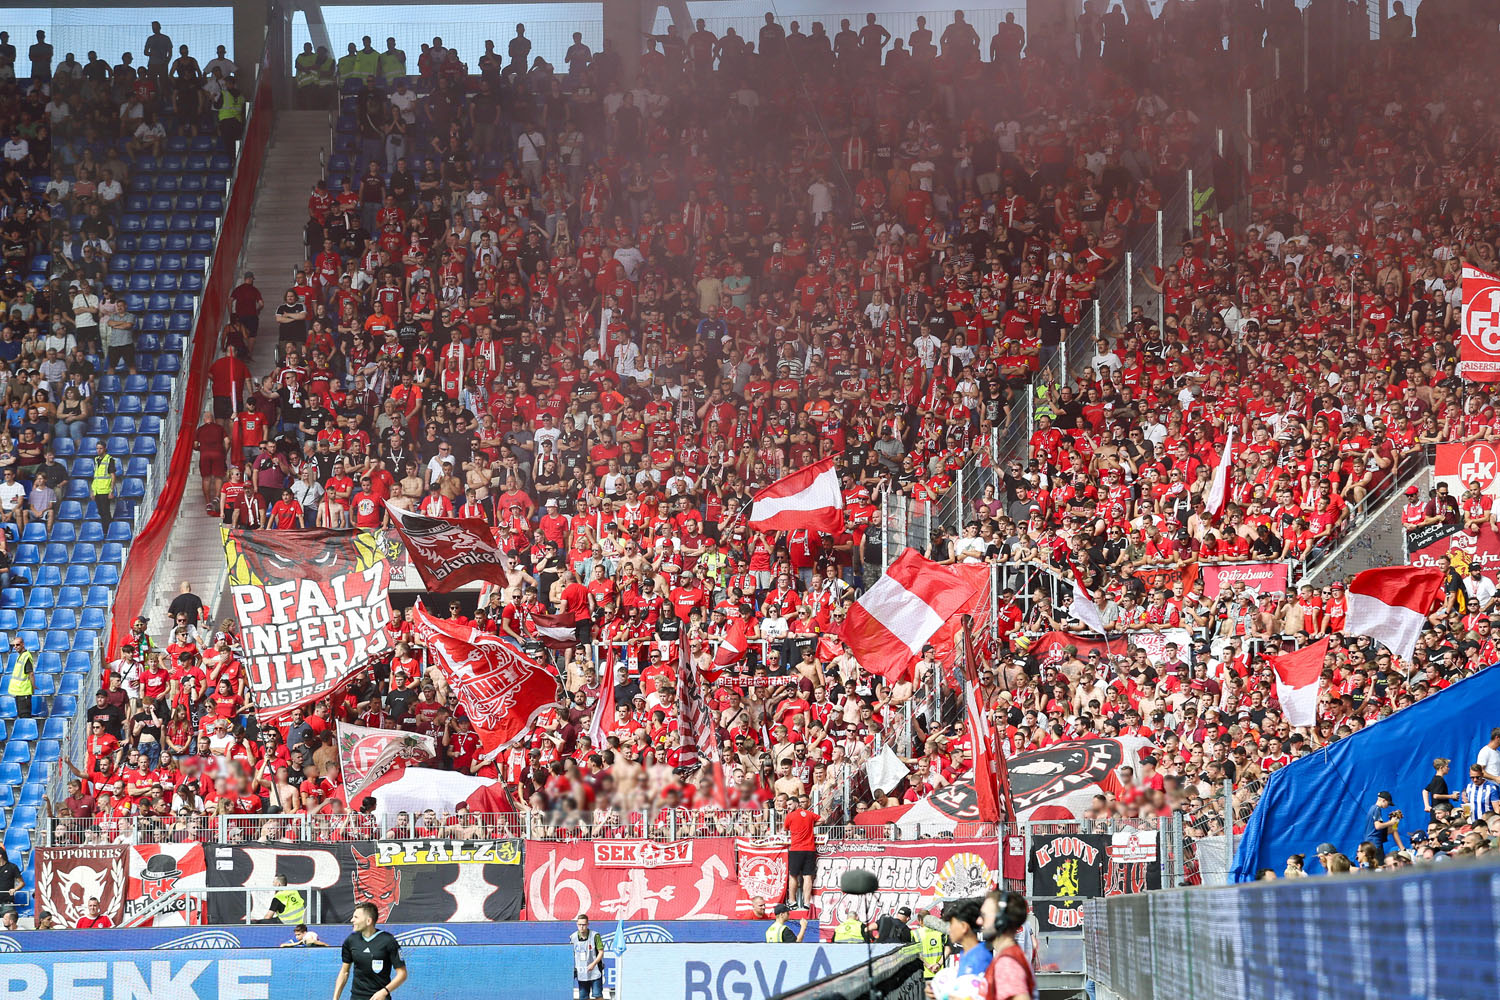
(1489, 754)
(12, 499)
(85, 311)
(531, 146)
(17, 149)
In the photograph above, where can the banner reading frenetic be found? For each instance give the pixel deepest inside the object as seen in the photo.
(313, 608)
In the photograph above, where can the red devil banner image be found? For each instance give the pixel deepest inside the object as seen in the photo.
(449, 552)
(369, 758)
(313, 608)
(500, 689)
(632, 880)
(67, 878)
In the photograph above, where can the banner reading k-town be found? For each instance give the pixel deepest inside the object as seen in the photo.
(312, 606)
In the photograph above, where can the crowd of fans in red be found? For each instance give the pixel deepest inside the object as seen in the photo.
(600, 318)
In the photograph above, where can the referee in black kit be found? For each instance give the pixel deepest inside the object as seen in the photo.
(374, 956)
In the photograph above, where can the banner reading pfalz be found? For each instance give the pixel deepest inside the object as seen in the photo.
(313, 608)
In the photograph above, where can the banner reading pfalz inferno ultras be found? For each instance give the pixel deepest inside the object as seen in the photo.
(313, 608)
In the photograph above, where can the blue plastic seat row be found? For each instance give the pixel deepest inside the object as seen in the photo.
(170, 242)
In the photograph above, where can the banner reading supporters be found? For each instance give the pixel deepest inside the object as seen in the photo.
(313, 608)
(412, 881)
(1263, 578)
(68, 877)
(1479, 345)
(1069, 868)
(694, 880)
(914, 874)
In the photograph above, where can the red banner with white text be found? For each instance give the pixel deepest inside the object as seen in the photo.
(1263, 578)
(1479, 345)
(631, 879)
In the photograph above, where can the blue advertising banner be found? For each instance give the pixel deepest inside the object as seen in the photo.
(738, 972)
(410, 935)
(1328, 795)
(535, 972)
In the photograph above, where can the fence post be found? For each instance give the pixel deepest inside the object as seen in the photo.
(1219, 140)
(958, 522)
(1129, 285)
(1229, 817)
(672, 824)
(1191, 203)
(885, 529)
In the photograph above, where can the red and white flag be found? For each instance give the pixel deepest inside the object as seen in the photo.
(1218, 487)
(991, 786)
(732, 649)
(604, 709)
(369, 758)
(1084, 607)
(1479, 343)
(556, 631)
(808, 498)
(501, 690)
(1391, 605)
(888, 626)
(1297, 677)
(449, 552)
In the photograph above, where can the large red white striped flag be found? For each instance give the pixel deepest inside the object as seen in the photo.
(991, 784)
(1297, 677)
(1218, 487)
(809, 498)
(1390, 605)
(694, 722)
(888, 626)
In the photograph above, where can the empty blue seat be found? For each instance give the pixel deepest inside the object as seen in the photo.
(206, 222)
(201, 242)
(76, 489)
(70, 597)
(163, 383)
(47, 752)
(41, 597)
(158, 404)
(138, 283)
(63, 447)
(24, 729)
(82, 466)
(202, 143)
(166, 281)
(180, 323)
(27, 555)
(62, 619)
(181, 223)
(112, 553)
(169, 262)
(97, 597)
(171, 164)
(96, 427)
(59, 642)
(17, 841)
(77, 663)
(7, 797)
(175, 243)
(16, 753)
(171, 362)
(49, 576)
(189, 201)
(70, 685)
(9, 620)
(195, 163)
(191, 282)
(120, 262)
(123, 425)
(108, 384)
(10, 774)
(119, 531)
(185, 303)
(159, 302)
(13, 598)
(193, 182)
(34, 618)
(137, 465)
(132, 223)
(139, 184)
(134, 384)
(7, 711)
(49, 663)
(177, 144)
(148, 243)
(155, 222)
(64, 531)
(143, 445)
(84, 553)
(64, 706)
(161, 203)
(117, 445)
(77, 576)
(85, 639)
(106, 575)
(220, 163)
(93, 618)
(34, 532)
(154, 323)
(55, 728)
(43, 684)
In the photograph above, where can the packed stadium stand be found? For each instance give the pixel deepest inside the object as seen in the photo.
(1068, 320)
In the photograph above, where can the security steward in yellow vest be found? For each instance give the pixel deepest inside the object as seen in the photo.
(852, 929)
(308, 78)
(104, 482)
(392, 62)
(932, 947)
(231, 114)
(348, 64)
(22, 666)
(287, 905)
(366, 62)
(780, 931)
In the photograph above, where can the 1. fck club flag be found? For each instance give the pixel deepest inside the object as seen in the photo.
(1391, 605)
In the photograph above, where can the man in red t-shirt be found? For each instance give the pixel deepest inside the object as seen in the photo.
(94, 918)
(578, 606)
(802, 852)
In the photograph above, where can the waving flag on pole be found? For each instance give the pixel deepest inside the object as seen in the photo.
(1391, 605)
(732, 649)
(888, 626)
(501, 690)
(449, 552)
(556, 631)
(1479, 340)
(369, 758)
(604, 710)
(1218, 488)
(1084, 608)
(694, 723)
(991, 784)
(1297, 677)
(808, 498)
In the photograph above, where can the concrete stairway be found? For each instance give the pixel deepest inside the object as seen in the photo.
(273, 248)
